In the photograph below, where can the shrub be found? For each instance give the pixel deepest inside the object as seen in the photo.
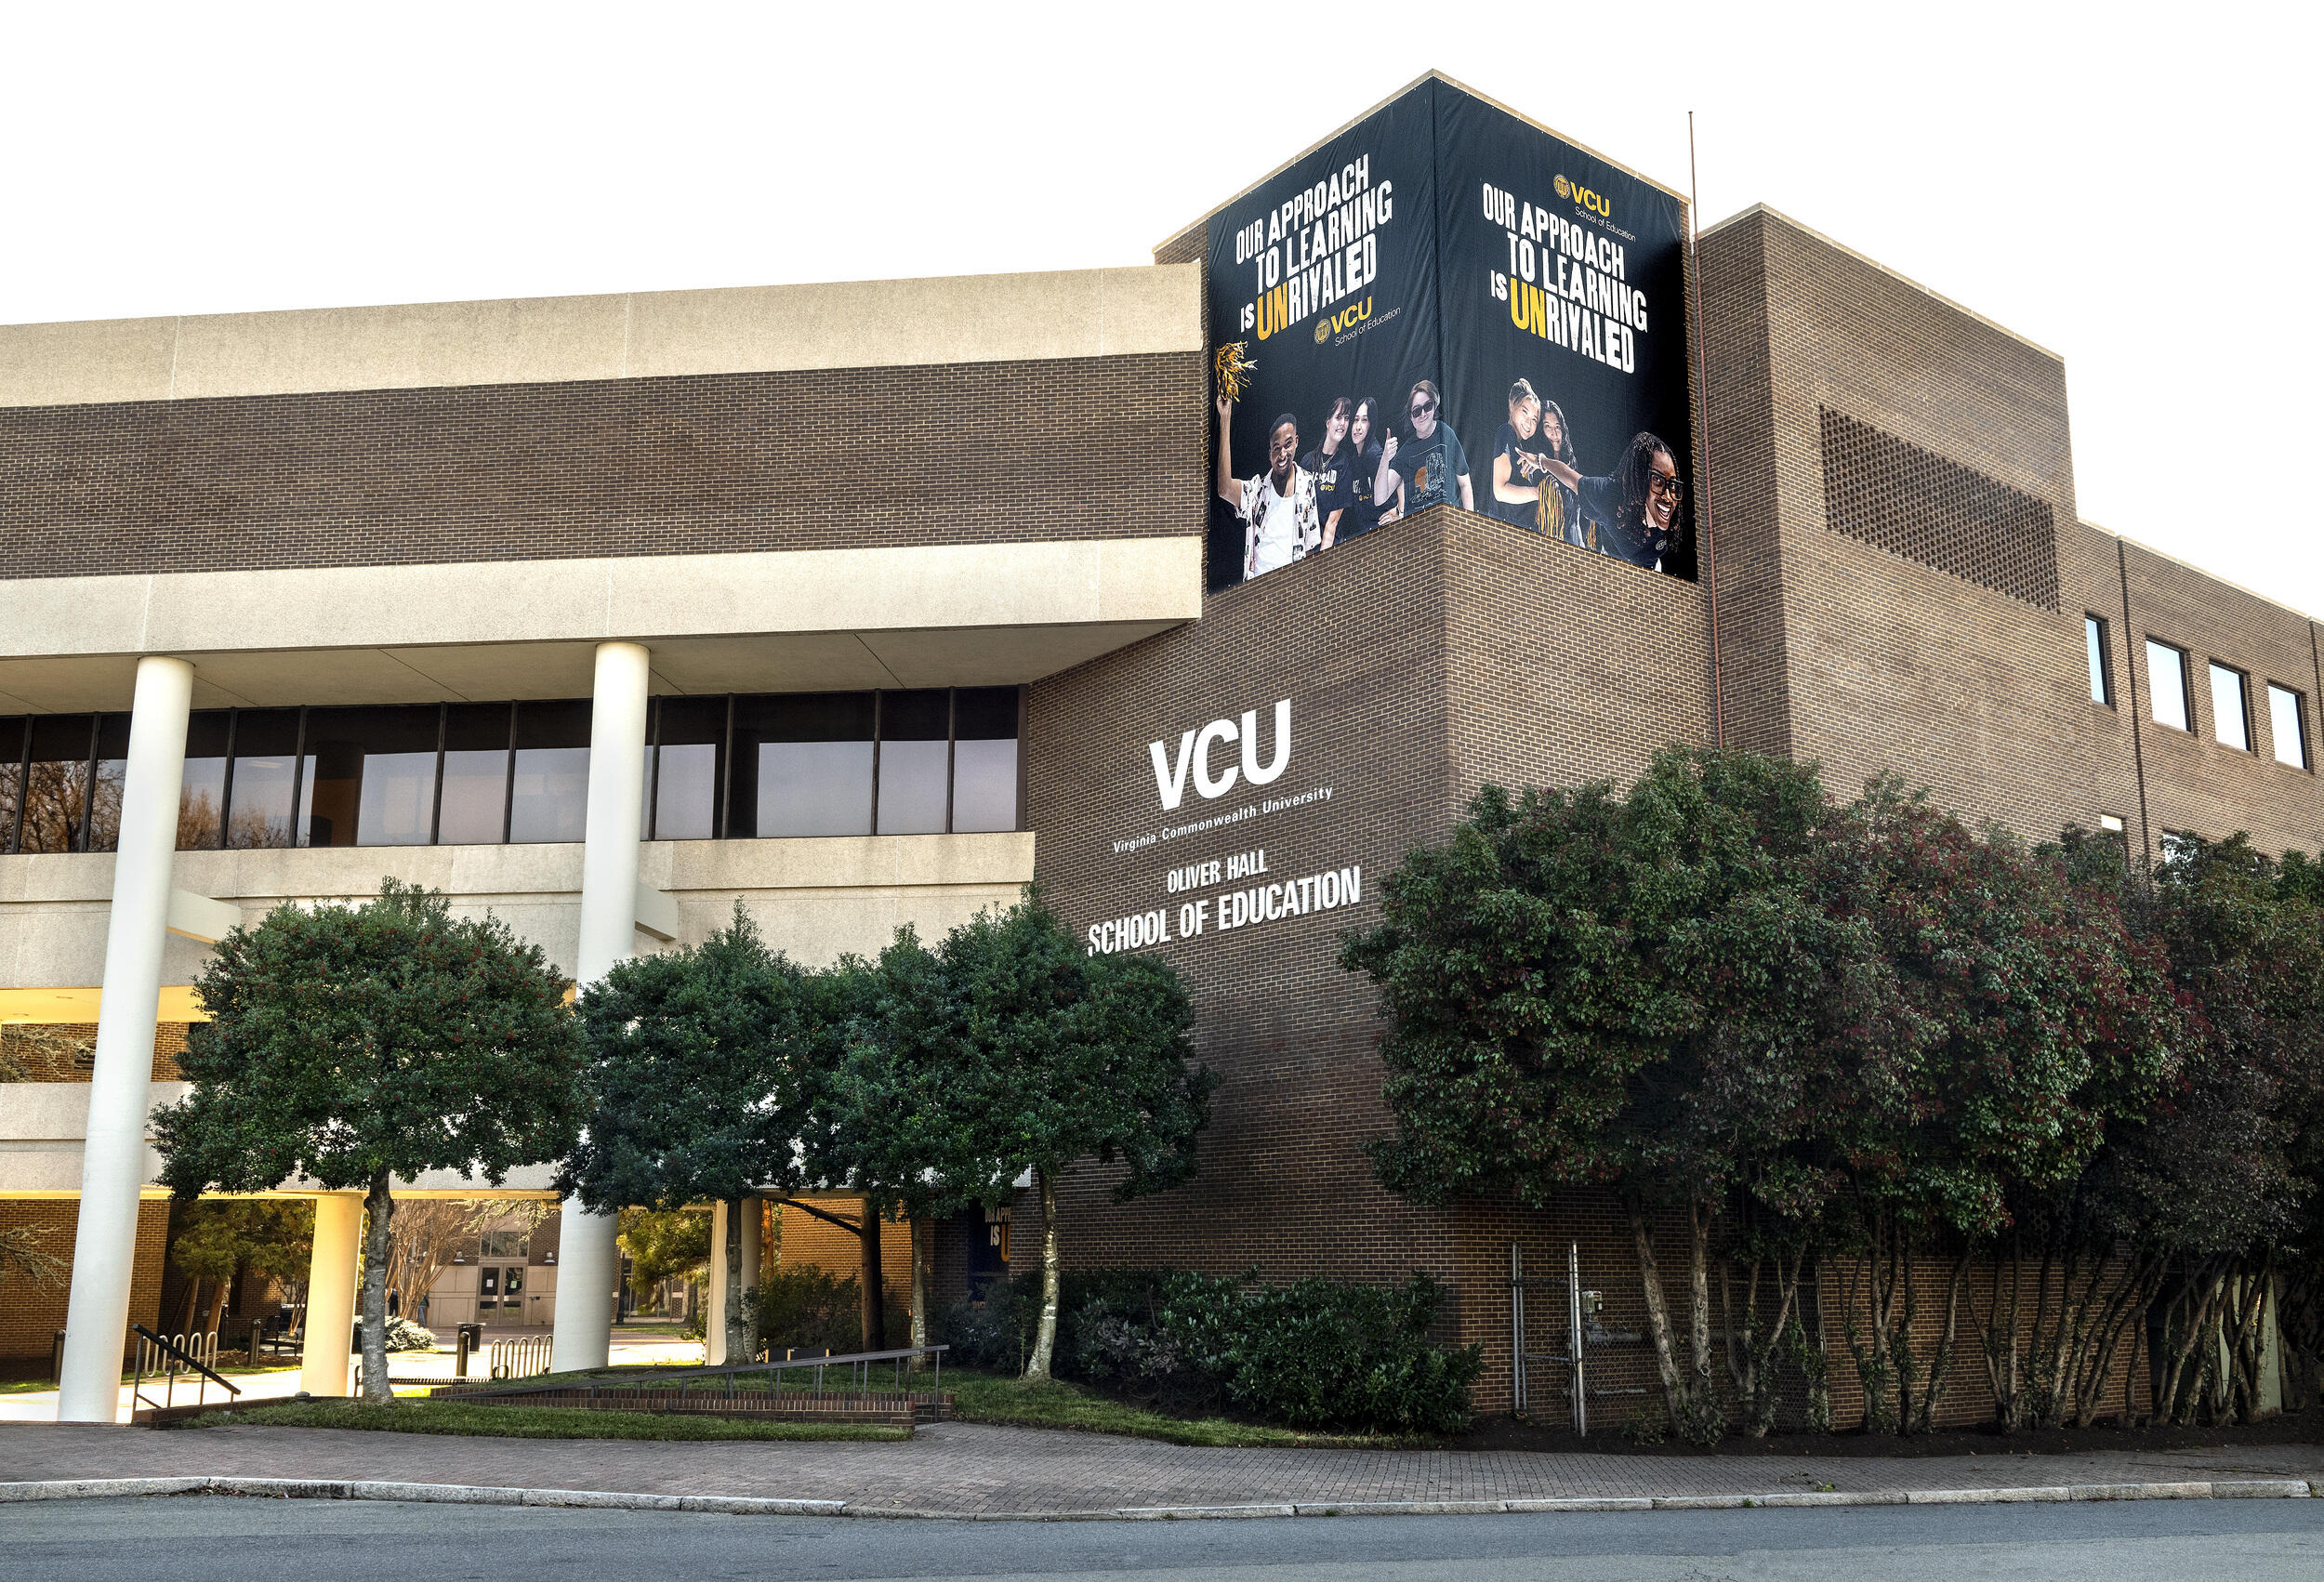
(996, 1334)
(804, 1307)
(1314, 1354)
(405, 1336)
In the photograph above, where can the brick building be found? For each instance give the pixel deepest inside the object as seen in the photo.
(418, 575)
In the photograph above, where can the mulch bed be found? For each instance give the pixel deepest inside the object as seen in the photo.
(1506, 1433)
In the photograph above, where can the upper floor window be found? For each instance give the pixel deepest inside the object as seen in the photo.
(2287, 724)
(2166, 678)
(2095, 639)
(2230, 712)
(919, 762)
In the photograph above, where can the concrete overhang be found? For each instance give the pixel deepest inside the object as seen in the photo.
(928, 615)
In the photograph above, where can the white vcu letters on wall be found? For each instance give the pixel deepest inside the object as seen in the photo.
(1193, 752)
(1264, 901)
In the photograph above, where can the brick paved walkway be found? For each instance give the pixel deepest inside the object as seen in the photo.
(973, 1468)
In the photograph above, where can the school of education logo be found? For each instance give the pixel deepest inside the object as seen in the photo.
(1562, 187)
(1323, 331)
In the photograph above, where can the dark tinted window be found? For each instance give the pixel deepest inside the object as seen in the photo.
(111, 770)
(261, 801)
(984, 759)
(689, 761)
(474, 810)
(549, 797)
(802, 765)
(201, 793)
(11, 779)
(915, 761)
(56, 785)
(372, 775)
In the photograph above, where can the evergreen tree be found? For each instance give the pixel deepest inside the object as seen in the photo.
(349, 1046)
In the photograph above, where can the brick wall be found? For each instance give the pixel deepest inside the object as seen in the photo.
(30, 1318)
(66, 1051)
(971, 453)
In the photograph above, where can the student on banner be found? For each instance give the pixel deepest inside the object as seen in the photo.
(1560, 512)
(1430, 468)
(1519, 470)
(1364, 436)
(1333, 464)
(1636, 509)
(1277, 507)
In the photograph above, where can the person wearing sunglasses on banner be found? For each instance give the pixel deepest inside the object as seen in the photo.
(1277, 507)
(1636, 511)
(1423, 470)
(1333, 466)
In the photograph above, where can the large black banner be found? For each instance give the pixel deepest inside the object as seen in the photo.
(1447, 305)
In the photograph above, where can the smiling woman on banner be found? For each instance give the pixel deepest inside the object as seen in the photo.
(1364, 435)
(1277, 507)
(1518, 456)
(1333, 464)
(1636, 511)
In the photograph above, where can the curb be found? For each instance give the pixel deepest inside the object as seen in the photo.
(744, 1504)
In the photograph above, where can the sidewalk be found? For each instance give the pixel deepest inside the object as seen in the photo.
(978, 1471)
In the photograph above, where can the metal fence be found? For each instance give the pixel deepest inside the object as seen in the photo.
(516, 1359)
(167, 1358)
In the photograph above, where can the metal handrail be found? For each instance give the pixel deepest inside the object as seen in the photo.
(857, 1362)
(171, 1350)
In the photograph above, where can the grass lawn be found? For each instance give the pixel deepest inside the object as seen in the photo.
(528, 1422)
(999, 1398)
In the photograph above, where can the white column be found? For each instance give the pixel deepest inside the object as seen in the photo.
(333, 1269)
(113, 1160)
(586, 1259)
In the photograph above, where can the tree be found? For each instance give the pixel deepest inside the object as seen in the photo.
(1593, 988)
(1050, 1056)
(352, 1045)
(664, 1244)
(704, 1077)
(218, 1241)
(916, 1143)
(429, 1233)
(24, 1256)
(2222, 1175)
(2024, 1016)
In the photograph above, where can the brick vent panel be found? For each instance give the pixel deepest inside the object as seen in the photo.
(1915, 503)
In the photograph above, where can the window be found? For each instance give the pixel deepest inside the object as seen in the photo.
(2230, 715)
(56, 782)
(2285, 725)
(201, 793)
(915, 761)
(984, 759)
(689, 764)
(267, 789)
(12, 734)
(2166, 677)
(802, 765)
(548, 798)
(2095, 639)
(472, 807)
(906, 762)
(372, 775)
(112, 769)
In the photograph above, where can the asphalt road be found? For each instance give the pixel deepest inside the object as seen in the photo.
(194, 1539)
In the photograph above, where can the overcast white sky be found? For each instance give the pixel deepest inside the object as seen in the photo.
(2128, 187)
